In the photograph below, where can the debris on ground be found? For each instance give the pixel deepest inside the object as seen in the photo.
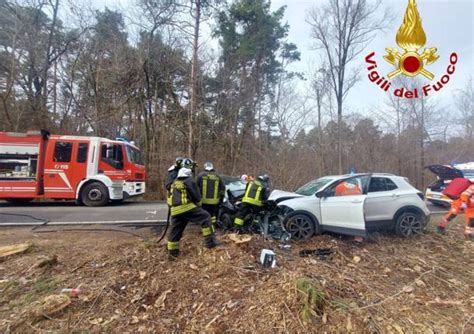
(422, 284)
(13, 249)
(239, 238)
(46, 308)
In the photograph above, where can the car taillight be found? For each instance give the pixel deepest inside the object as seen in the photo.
(420, 195)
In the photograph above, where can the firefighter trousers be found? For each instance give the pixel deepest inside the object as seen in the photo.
(179, 223)
(213, 210)
(244, 210)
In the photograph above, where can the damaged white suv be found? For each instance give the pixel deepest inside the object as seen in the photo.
(354, 204)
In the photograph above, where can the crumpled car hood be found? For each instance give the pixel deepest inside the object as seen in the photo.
(281, 195)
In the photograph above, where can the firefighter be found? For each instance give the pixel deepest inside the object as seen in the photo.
(212, 190)
(185, 201)
(466, 203)
(173, 170)
(256, 193)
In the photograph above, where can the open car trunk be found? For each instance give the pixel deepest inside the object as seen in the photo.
(445, 172)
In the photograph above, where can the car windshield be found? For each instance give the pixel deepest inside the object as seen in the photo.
(235, 185)
(134, 155)
(312, 187)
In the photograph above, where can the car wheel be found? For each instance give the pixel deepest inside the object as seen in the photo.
(409, 224)
(95, 194)
(225, 222)
(300, 226)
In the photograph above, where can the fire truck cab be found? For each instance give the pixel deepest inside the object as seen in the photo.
(91, 170)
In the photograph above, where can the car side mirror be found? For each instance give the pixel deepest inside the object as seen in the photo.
(321, 194)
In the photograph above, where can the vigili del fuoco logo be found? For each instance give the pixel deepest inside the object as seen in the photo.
(410, 62)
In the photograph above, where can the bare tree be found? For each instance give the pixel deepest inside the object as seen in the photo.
(321, 88)
(465, 104)
(342, 29)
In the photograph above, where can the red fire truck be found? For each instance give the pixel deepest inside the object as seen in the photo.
(91, 170)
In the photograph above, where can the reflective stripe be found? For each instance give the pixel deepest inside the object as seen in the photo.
(253, 194)
(239, 221)
(172, 245)
(206, 231)
(177, 210)
(169, 199)
(213, 219)
(209, 197)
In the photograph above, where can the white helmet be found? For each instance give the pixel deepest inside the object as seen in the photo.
(184, 172)
(208, 166)
(244, 177)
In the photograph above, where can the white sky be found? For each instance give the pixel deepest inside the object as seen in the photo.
(448, 24)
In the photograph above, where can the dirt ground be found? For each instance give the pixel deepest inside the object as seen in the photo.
(127, 284)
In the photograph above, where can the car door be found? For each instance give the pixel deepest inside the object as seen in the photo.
(343, 211)
(382, 200)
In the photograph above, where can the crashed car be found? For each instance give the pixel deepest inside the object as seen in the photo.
(375, 201)
(444, 175)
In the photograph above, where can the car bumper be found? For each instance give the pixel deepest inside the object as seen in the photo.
(437, 198)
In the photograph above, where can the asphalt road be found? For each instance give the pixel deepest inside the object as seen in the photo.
(70, 213)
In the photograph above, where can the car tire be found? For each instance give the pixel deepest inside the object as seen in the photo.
(95, 194)
(301, 226)
(409, 224)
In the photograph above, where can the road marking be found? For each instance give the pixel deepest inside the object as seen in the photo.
(105, 222)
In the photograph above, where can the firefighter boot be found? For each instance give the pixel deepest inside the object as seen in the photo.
(210, 241)
(173, 254)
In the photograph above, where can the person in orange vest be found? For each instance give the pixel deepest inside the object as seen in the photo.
(466, 203)
(346, 188)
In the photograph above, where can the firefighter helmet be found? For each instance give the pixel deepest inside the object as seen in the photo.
(184, 172)
(179, 162)
(208, 166)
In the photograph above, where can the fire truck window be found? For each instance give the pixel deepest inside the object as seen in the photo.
(82, 152)
(62, 152)
(112, 155)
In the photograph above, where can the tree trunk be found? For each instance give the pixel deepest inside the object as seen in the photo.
(194, 77)
(339, 134)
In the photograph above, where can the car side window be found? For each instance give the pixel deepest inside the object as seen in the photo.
(349, 187)
(390, 185)
(378, 184)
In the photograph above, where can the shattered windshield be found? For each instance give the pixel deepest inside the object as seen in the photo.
(312, 187)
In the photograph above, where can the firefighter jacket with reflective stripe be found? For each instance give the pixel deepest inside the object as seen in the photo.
(255, 193)
(184, 196)
(211, 186)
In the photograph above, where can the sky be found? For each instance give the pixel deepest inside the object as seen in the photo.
(448, 24)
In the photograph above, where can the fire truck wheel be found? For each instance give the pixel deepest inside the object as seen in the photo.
(95, 194)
